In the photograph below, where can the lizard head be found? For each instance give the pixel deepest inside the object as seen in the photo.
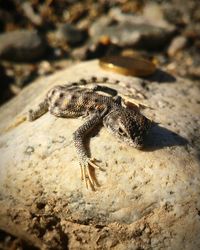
(128, 125)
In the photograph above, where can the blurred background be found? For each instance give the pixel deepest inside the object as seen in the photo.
(39, 37)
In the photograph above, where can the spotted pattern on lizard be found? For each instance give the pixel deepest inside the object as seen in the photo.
(70, 101)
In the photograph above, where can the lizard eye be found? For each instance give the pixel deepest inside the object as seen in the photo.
(121, 132)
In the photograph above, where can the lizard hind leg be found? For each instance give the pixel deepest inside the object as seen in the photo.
(110, 91)
(41, 109)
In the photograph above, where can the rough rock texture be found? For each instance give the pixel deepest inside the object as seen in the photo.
(148, 199)
(21, 45)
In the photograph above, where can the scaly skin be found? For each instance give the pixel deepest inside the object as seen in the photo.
(129, 125)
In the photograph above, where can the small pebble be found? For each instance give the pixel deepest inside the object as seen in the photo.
(177, 44)
(21, 45)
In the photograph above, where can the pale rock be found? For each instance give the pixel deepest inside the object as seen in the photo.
(131, 30)
(148, 199)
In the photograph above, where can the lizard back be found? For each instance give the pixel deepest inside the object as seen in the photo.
(65, 101)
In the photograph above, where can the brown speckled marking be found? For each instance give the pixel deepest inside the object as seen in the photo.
(128, 125)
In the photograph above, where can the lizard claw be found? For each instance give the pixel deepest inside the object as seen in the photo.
(92, 162)
(87, 173)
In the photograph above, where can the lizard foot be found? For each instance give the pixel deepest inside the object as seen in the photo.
(88, 173)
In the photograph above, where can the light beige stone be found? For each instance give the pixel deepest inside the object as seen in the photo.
(148, 199)
(177, 44)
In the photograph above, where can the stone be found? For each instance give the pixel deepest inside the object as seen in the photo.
(147, 199)
(153, 12)
(128, 30)
(30, 14)
(45, 68)
(21, 45)
(70, 34)
(176, 45)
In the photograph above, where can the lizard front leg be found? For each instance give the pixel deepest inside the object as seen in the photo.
(85, 162)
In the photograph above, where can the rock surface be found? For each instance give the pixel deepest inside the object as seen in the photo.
(22, 45)
(148, 199)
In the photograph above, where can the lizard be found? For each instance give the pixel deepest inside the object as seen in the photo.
(129, 125)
